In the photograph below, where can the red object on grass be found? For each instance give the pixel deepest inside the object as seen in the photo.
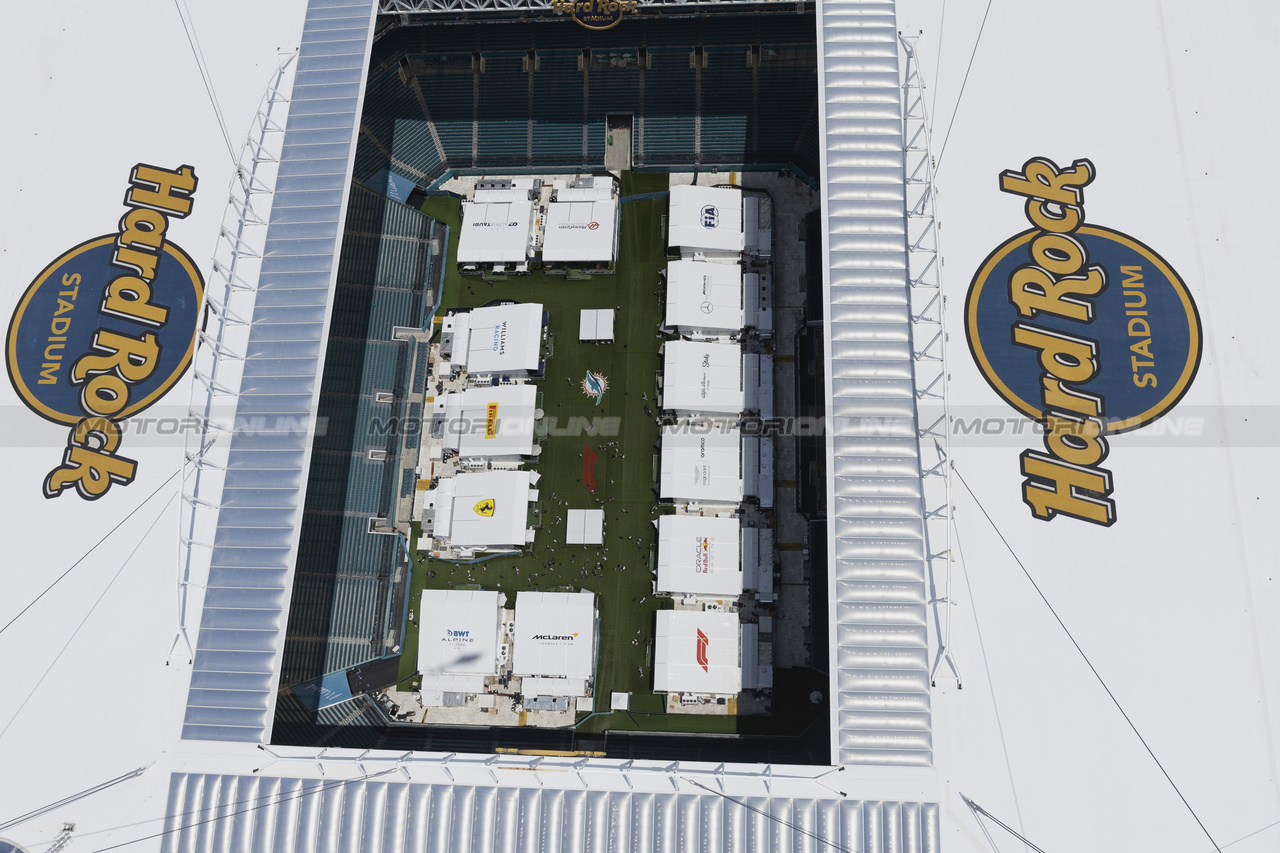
(588, 468)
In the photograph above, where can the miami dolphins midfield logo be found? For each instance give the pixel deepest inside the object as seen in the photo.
(106, 329)
(1083, 329)
(595, 385)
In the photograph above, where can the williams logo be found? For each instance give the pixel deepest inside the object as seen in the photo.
(106, 329)
(595, 385)
(1083, 329)
(485, 508)
(595, 14)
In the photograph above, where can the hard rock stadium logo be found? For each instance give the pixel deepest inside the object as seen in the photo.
(106, 329)
(595, 14)
(595, 385)
(1083, 329)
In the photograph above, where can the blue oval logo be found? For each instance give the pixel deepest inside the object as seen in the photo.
(1083, 329)
(1144, 325)
(60, 315)
(107, 329)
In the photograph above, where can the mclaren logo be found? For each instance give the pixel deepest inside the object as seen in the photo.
(485, 508)
(702, 650)
(556, 638)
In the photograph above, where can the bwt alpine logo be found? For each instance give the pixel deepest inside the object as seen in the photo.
(710, 216)
(1082, 329)
(107, 329)
(701, 654)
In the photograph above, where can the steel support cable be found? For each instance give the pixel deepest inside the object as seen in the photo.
(943, 150)
(1085, 657)
(94, 547)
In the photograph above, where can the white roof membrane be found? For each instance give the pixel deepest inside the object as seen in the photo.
(877, 563)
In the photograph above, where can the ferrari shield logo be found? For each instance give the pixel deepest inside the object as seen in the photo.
(485, 508)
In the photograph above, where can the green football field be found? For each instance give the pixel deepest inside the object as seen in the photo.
(626, 474)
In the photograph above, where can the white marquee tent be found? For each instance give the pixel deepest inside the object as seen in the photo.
(701, 464)
(705, 223)
(495, 340)
(494, 422)
(495, 232)
(699, 555)
(702, 378)
(697, 651)
(487, 510)
(704, 299)
(459, 632)
(555, 635)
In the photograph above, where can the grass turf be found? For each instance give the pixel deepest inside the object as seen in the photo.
(624, 473)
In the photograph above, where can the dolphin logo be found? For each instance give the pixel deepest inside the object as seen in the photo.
(595, 385)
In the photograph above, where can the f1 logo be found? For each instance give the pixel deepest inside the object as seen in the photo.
(702, 650)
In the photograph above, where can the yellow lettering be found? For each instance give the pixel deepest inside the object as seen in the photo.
(162, 189)
(1055, 488)
(1056, 395)
(1075, 440)
(130, 297)
(49, 374)
(1067, 357)
(134, 359)
(142, 225)
(1042, 179)
(105, 394)
(91, 472)
(1057, 253)
(142, 263)
(1033, 290)
(1046, 220)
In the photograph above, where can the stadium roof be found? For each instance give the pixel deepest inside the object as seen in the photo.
(702, 378)
(1058, 762)
(697, 651)
(555, 634)
(699, 555)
